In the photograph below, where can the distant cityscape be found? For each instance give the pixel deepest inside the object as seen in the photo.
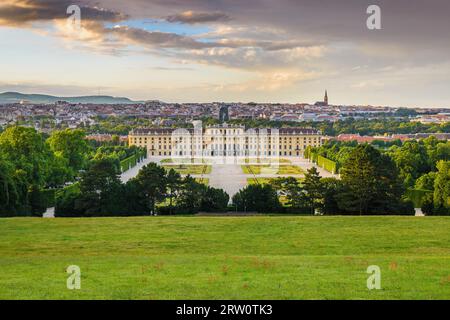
(73, 115)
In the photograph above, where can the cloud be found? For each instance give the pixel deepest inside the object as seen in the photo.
(191, 17)
(24, 12)
(255, 58)
(265, 37)
(268, 82)
(156, 39)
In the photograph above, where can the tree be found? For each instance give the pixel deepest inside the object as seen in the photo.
(174, 185)
(314, 191)
(9, 196)
(152, 184)
(59, 172)
(442, 189)
(426, 182)
(258, 198)
(371, 183)
(428, 204)
(191, 195)
(37, 200)
(25, 149)
(331, 188)
(412, 161)
(214, 200)
(70, 145)
(101, 190)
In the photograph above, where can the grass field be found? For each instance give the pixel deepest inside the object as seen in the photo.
(225, 258)
(267, 161)
(186, 169)
(266, 180)
(281, 170)
(179, 161)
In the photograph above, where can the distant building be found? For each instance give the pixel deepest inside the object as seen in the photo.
(433, 119)
(224, 114)
(323, 103)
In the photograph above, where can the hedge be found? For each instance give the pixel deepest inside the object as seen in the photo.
(132, 161)
(128, 163)
(327, 164)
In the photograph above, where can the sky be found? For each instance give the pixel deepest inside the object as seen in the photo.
(287, 51)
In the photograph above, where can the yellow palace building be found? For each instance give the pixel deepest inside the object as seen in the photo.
(225, 140)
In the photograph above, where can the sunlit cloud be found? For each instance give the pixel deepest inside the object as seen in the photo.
(276, 44)
(191, 17)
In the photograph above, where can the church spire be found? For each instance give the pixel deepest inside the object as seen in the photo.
(326, 97)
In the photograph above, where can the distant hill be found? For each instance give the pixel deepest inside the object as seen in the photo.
(15, 97)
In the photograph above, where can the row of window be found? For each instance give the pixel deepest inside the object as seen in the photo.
(215, 153)
(230, 147)
(250, 140)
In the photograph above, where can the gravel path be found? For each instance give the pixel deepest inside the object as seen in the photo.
(130, 174)
(228, 177)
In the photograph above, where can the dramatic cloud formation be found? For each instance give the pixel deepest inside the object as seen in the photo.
(191, 17)
(22, 12)
(254, 44)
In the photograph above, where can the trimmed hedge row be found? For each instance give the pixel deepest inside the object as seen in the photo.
(128, 163)
(327, 164)
(132, 161)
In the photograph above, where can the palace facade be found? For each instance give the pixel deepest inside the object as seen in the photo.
(225, 140)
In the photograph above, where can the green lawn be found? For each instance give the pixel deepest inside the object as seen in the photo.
(266, 180)
(186, 169)
(267, 161)
(281, 170)
(184, 161)
(225, 258)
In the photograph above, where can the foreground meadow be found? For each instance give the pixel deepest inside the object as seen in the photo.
(225, 258)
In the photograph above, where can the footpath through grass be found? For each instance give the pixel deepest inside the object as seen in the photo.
(225, 258)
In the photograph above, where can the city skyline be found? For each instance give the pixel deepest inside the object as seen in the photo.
(259, 51)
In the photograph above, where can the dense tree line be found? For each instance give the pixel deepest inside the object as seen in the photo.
(28, 164)
(419, 163)
(153, 191)
(380, 126)
(437, 202)
(416, 160)
(374, 180)
(369, 185)
(32, 164)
